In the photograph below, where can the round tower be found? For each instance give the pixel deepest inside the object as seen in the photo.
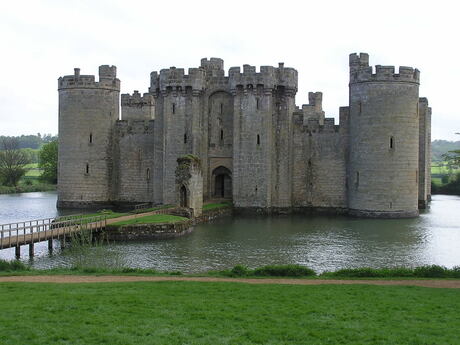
(384, 139)
(88, 111)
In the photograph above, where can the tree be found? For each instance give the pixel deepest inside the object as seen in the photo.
(48, 161)
(12, 162)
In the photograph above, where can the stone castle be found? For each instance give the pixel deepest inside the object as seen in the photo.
(246, 140)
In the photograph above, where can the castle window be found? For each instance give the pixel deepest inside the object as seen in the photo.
(257, 104)
(360, 107)
(139, 154)
(148, 174)
(357, 179)
(258, 139)
(392, 143)
(87, 168)
(91, 138)
(174, 108)
(221, 134)
(221, 108)
(185, 138)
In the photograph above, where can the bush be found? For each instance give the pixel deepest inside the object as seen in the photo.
(433, 271)
(240, 271)
(284, 271)
(8, 266)
(368, 272)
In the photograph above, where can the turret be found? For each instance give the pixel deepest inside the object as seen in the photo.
(88, 110)
(384, 140)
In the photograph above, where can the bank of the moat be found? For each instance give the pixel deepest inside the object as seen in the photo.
(167, 223)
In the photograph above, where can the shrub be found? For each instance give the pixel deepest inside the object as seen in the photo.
(7, 266)
(284, 271)
(433, 271)
(368, 272)
(239, 271)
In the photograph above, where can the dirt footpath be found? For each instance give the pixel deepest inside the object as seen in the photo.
(453, 284)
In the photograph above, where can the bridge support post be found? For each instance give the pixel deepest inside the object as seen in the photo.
(31, 249)
(50, 246)
(17, 252)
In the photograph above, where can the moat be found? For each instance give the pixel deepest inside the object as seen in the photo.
(320, 242)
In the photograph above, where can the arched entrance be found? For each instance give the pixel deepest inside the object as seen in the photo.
(222, 183)
(183, 197)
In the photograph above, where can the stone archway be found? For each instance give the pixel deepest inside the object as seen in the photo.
(183, 197)
(222, 183)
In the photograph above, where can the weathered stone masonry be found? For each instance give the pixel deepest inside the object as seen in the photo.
(254, 144)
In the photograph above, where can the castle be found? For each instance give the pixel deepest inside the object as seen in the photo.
(248, 140)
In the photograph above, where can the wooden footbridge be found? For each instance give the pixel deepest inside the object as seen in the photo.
(49, 229)
(62, 228)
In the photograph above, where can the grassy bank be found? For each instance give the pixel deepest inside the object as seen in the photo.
(240, 271)
(154, 219)
(213, 206)
(225, 313)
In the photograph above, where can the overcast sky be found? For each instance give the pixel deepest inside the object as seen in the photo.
(42, 40)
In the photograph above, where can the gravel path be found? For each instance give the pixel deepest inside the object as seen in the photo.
(453, 284)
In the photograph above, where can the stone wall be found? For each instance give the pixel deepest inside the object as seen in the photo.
(138, 232)
(134, 161)
(317, 149)
(424, 191)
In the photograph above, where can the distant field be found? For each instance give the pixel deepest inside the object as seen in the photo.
(33, 171)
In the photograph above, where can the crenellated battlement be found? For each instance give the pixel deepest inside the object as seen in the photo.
(212, 63)
(107, 80)
(314, 108)
(270, 77)
(175, 78)
(361, 72)
(136, 100)
(327, 125)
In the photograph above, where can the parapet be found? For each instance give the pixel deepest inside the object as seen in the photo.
(136, 100)
(212, 64)
(361, 72)
(137, 107)
(270, 77)
(176, 79)
(314, 108)
(107, 80)
(328, 125)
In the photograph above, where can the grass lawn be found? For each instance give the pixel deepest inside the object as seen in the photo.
(226, 313)
(108, 213)
(216, 205)
(156, 218)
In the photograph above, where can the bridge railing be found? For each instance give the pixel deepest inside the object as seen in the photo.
(20, 233)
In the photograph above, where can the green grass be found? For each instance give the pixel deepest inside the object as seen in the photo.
(437, 181)
(28, 185)
(108, 213)
(226, 313)
(157, 218)
(33, 173)
(216, 205)
(442, 168)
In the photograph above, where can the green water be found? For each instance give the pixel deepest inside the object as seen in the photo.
(320, 242)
